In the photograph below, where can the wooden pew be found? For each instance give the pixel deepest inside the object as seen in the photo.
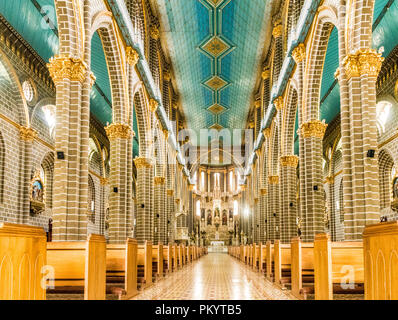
(282, 258)
(256, 257)
(242, 253)
(336, 263)
(175, 259)
(79, 267)
(167, 259)
(188, 256)
(302, 266)
(191, 254)
(269, 254)
(144, 265)
(183, 255)
(157, 260)
(121, 269)
(380, 244)
(262, 257)
(22, 258)
(179, 256)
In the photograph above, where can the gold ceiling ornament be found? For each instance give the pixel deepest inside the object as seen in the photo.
(132, 56)
(273, 179)
(216, 83)
(142, 162)
(364, 61)
(215, 46)
(257, 104)
(155, 34)
(278, 103)
(289, 161)
(277, 31)
(170, 192)
(216, 109)
(337, 74)
(298, 53)
(266, 73)
(329, 180)
(266, 132)
(103, 181)
(314, 128)
(153, 105)
(27, 134)
(216, 126)
(65, 67)
(263, 191)
(159, 180)
(118, 131)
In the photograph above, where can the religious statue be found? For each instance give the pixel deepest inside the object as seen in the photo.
(37, 203)
(209, 218)
(224, 218)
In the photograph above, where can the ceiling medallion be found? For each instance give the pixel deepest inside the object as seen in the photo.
(216, 109)
(216, 126)
(215, 46)
(216, 83)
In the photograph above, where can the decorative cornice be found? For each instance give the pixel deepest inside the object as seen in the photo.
(170, 192)
(27, 134)
(314, 128)
(153, 105)
(142, 162)
(65, 67)
(277, 31)
(159, 180)
(267, 132)
(278, 103)
(154, 32)
(298, 53)
(263, 191)
(266, 73)
(118, 130)
(289, 161)
(132, 56)
(364, 61)
(273, 179)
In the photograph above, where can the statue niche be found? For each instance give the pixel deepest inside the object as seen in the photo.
(37, 199)
(224, 218)
(209, 218)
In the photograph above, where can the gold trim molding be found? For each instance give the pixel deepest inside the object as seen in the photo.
(273, 179)
(132, 56)
(298, 53)
(314, 128)
(118, 130)
(142, 162)
(289, 161)
(27, 134)
(364, 61)
(159, 180)
(65, 67)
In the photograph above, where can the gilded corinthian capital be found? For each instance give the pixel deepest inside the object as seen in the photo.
(141, 162)
(153, 105)
(277, 31)
(298, 53)
(364, 61)
(159, 180)
(314, 128)
(278, 103)
(118, 130)
(289, 161)
(65, 67)
(273, 179)
(27, 134)
(132, 56)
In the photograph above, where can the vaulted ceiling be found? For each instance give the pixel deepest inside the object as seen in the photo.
(215, 47)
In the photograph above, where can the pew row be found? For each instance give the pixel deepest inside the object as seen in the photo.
(144, 265)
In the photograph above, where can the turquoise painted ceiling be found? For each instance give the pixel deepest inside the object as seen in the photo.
(215, 47)
(26, 17)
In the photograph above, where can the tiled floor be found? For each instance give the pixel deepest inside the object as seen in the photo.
(216, 276)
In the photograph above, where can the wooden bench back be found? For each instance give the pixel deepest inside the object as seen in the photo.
(179, 255)
(302, 261)
(332, 261)
(262, 258)
(22, 258)
(380, 243)
(282, 259)
(121, 260)
(167, 256)
(269, 253)
(144, 259)
(80, 264)
(157, 256)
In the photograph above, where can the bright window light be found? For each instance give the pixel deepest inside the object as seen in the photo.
(198, 208)
(236, 207)
(383, 109)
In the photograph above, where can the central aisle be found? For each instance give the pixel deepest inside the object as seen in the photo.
(216, 276)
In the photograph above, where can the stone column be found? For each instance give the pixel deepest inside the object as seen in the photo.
(170, 215)
(27, 136)
(288, 198)
(263, 215)
(160, 210)
(311, 196)
(144, 214)
(120, 196)
(358, 75)
(274, 210)
(73, 83)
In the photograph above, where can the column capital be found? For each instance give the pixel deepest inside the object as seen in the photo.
(278, 103)
(132, 56)
(257, 104)
(153, 105)
(313, 128)
(263, 191)
(266, 73)
(267, 132)
(364, 61)
(159, 180)
(103, 181)
(66, 67)
(170, 192)
(289, 161)
(298, 53)
(329, 180)
(277, 31)
(118, 130)
(166, 76)
(27, 134)
(142, 162)
(154, 31)
(273, 179)
(243, 187)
